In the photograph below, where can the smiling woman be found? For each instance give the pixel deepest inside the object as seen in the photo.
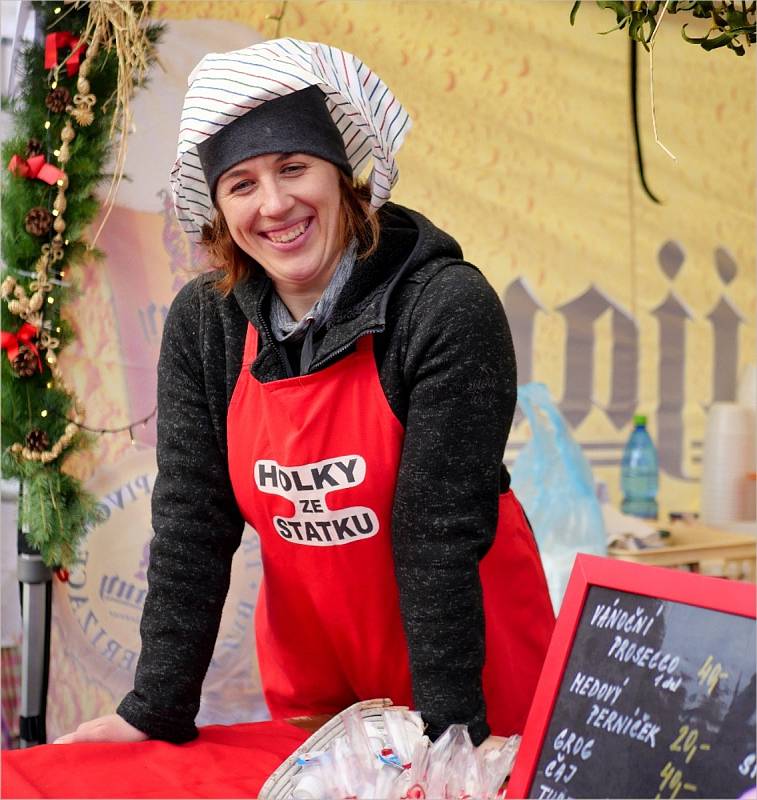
(355, 223)
(345, 382)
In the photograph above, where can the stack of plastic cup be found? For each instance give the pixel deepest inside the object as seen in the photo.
(728, 462)
(747, 396)
(747, 391)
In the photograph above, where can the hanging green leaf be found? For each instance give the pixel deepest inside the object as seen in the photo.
(620, 8)
(732, 21)
(574, 11)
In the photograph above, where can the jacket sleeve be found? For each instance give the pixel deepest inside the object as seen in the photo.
(197, 528)
(461, 382)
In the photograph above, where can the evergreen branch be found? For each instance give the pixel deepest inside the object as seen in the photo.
(37, 407)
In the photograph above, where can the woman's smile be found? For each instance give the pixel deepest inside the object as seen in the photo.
(291, 234)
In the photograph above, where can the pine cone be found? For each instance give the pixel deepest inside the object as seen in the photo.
(25, 363)
(37, 440)
(34, 148)
(58, 99)
(38, 221)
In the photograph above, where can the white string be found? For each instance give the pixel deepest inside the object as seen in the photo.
(651, 80)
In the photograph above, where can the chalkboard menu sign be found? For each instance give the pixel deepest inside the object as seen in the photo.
(648, 689)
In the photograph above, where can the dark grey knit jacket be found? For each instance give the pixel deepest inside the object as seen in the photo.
(446, 364)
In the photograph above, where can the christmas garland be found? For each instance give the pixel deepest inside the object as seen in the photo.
(71, 103)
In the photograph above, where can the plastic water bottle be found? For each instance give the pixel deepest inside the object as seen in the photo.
(639, 473)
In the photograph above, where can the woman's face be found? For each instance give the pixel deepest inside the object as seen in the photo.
(284, 211)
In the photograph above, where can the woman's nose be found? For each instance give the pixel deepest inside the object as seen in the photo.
(275, 200)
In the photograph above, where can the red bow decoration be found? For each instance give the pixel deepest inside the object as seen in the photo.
(53, 43)
(62, 574)
(25, 335)
(35, 167)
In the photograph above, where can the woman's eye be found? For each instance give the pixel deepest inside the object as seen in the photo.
(240, 186)
(292, 169)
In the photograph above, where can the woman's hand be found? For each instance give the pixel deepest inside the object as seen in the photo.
(103, 729)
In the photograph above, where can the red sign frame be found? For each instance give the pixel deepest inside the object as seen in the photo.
(716, 594)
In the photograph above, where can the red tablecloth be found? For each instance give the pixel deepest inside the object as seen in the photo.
(225, 761)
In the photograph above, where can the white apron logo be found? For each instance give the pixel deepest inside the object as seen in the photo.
(306, 486)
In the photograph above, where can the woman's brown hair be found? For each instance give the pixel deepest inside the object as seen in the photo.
(358, 224)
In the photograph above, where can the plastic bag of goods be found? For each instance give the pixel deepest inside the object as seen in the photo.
(553, 481)
(383, 754)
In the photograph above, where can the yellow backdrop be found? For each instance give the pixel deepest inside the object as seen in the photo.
(522, 149)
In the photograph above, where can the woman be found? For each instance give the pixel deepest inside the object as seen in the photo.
(345, 383)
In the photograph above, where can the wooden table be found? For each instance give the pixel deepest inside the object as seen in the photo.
(692, 545)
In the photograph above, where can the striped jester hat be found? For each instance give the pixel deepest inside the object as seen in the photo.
(225, 86)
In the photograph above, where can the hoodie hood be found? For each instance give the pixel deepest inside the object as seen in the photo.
(408, 242)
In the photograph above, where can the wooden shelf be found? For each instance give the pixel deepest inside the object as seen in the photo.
(728, 555)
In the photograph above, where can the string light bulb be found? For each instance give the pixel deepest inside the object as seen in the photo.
(49, 384)
(56, 153)
(51, 300)
(43, 413)
(57, 10)
(54, 84)
(47, 124)
(78, 422)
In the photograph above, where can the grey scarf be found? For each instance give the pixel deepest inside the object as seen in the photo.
(286, 328)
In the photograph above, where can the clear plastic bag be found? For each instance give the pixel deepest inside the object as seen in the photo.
(395, 761)
(553, 482)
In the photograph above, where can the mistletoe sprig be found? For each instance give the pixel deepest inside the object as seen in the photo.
(64, 118)
(732, 22)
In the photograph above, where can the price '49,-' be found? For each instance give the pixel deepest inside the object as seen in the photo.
(673, 781)
(710, 673)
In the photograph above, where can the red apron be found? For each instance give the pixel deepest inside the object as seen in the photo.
(313, 461)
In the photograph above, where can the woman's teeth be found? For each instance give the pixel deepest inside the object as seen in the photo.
(291, 234)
